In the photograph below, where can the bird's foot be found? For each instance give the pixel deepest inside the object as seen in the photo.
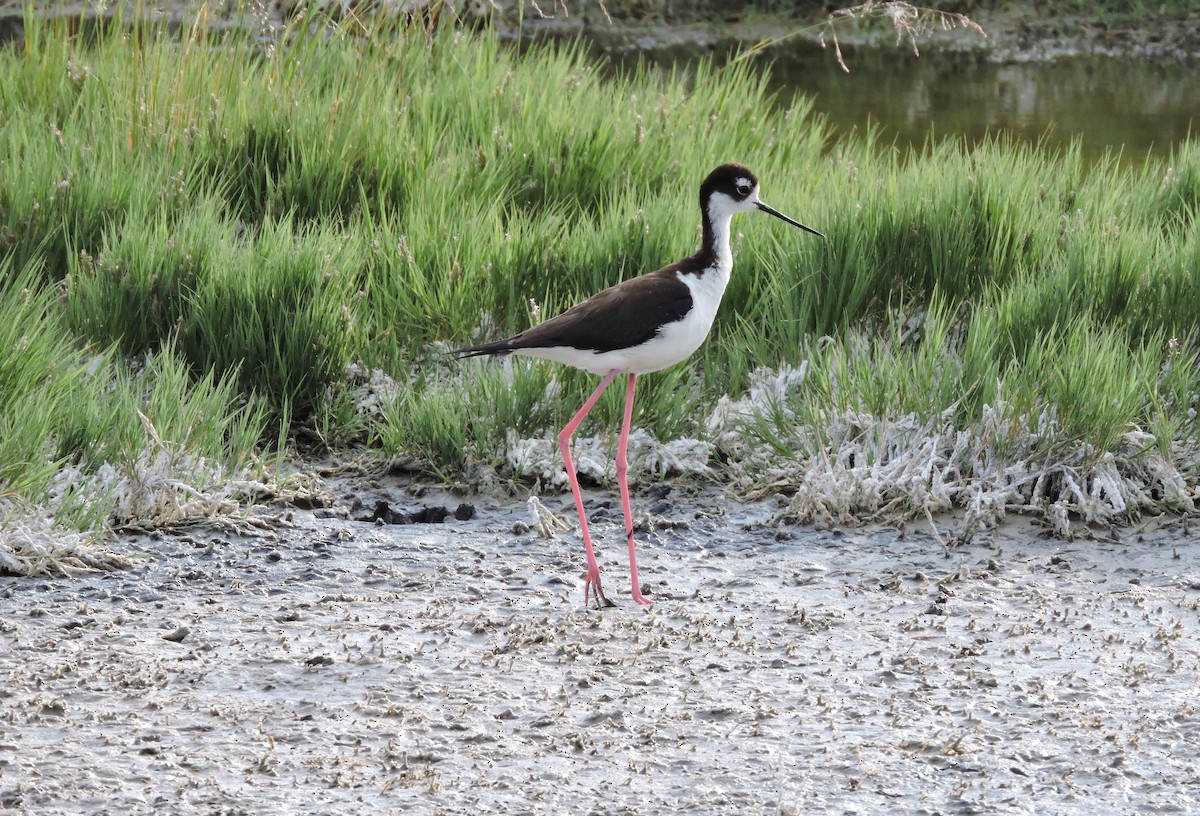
(640, 598)
(592, 586)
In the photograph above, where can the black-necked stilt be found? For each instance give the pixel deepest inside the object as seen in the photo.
(642, 325)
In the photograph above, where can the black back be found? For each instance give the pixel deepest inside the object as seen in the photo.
(621, 316)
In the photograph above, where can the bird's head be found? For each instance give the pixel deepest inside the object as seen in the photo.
(733, 188)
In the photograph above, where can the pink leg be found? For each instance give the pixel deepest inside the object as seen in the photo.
(564, 444)
(623, 484)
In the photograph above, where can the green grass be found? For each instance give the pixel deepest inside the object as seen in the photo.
(69, 412)
(209, 232)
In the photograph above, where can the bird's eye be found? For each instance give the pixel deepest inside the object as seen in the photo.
(743, 190)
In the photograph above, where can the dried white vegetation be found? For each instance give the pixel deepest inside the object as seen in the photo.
(856, 467)
(649, 459)
(545, 521)
(374, 389)
(32, 545)
(164, 487)
(859, 466)
(159, 489)
(909, 22)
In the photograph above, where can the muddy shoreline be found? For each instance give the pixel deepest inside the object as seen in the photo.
(1016, 32)
(323, 664)
(1013, 34)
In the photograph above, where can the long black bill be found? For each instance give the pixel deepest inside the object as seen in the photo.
(782, 217)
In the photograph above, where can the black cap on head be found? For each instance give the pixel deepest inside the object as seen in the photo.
(739, 183)
(734, 180)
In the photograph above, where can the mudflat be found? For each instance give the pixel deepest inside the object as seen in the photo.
(328, 665)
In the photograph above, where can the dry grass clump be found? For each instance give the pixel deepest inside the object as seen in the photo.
(31, 544)
(909, 22)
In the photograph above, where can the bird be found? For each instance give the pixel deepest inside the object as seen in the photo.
(639, 326)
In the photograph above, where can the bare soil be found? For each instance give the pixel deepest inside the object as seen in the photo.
(329, 665)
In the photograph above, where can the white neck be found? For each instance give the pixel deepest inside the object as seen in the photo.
(720, 220)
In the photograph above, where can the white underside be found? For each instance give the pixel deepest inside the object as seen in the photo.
(674, 343)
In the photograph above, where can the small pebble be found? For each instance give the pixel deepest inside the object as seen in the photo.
(177, 634)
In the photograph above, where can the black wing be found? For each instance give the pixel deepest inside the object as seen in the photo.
(625, 315)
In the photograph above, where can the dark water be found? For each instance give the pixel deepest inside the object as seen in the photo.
(1137, 107)
(1134, 107)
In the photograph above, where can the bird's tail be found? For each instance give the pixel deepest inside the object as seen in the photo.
(498, 348)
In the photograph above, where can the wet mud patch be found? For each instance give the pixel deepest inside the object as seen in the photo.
(334, 664)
